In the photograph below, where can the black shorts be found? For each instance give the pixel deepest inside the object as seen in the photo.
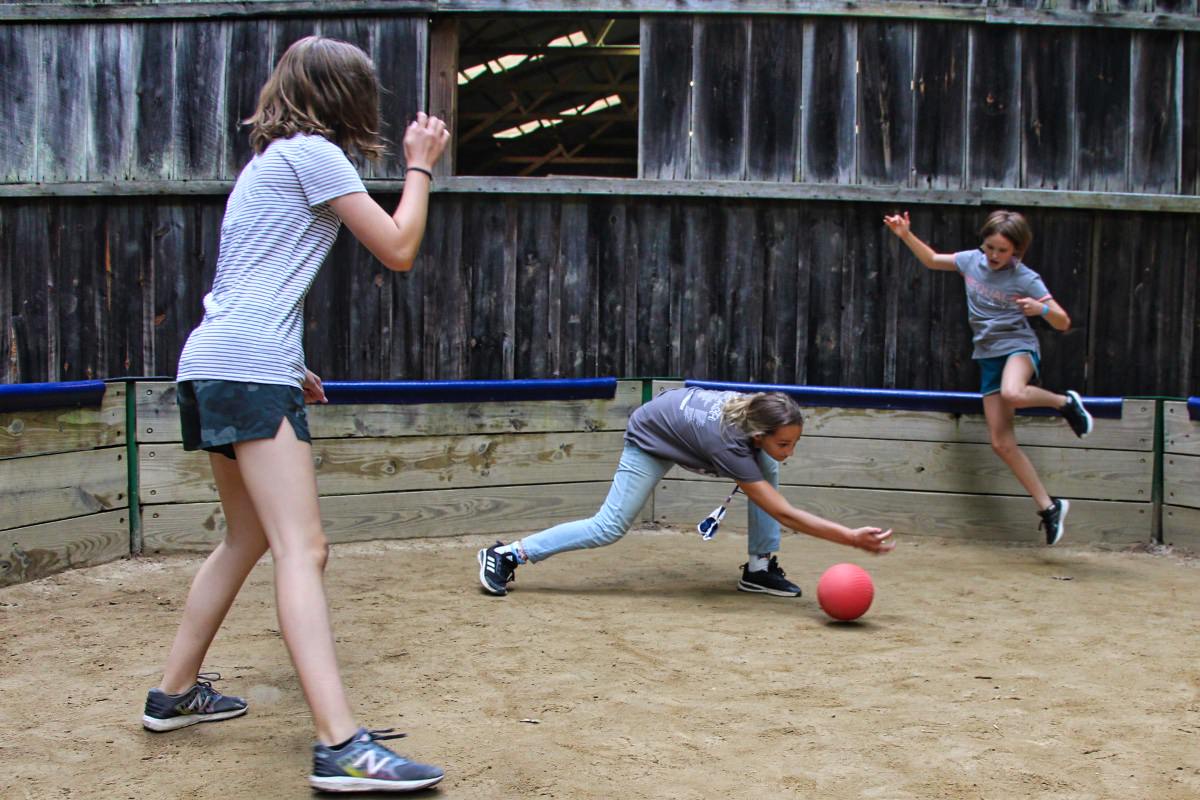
(216, 414)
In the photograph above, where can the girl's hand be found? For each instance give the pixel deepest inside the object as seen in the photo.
(424, 141)
(1031, 307)
(875, 540)
(898, 224)
(314, 391)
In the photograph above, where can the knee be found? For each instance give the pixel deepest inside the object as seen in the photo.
(312, 552)
(1004, 446)
(1011, 394)
(609, 528)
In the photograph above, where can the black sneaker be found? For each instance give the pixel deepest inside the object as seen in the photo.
(364, 765)
(201, 703)
(1077, 416)
(1052, 519)
(768, 581)
(496, 570)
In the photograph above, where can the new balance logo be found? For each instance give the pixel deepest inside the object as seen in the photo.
(371, 762)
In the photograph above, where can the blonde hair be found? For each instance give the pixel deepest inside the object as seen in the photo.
(761, 413)
(324, 87)
(1012, 226)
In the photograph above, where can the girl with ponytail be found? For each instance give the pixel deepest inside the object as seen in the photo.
(742, 437)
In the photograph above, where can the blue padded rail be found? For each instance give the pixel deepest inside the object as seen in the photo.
(1194, 408)
(411, 392)
(33, 396)
(900, 399)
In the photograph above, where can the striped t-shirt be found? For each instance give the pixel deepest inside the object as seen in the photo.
(278, 228)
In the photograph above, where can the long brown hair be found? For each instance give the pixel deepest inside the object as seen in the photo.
(325, 87)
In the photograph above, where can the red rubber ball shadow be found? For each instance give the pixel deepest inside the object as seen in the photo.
(845, 591)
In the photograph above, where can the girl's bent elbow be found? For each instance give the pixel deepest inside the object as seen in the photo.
(401, 262)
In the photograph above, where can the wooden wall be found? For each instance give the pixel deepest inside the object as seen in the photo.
(934, 473)
(63, 488)
(1181, 477)
(123, 142)
(399, 471)
(527, 286)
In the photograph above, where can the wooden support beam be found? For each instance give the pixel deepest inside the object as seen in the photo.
(443, 85)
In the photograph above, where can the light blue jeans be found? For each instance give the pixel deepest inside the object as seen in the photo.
(637, 474)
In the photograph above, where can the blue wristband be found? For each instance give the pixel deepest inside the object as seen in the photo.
(1045, 309)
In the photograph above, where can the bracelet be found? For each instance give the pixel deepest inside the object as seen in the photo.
(421, 170)
(1045, 309)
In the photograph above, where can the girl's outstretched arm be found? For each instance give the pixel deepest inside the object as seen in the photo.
(899, 224)
(396, 239)
(768, 498)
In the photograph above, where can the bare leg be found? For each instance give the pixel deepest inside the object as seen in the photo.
(218, 581)
(1016, 391)
(280, 481)
(999, 413)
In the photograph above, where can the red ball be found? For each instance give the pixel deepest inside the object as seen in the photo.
(845, 591)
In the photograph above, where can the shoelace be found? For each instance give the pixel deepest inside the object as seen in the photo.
(773, 566)
(383, 734)
(207, 694)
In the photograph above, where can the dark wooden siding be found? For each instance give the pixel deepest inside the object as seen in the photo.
(528, 286)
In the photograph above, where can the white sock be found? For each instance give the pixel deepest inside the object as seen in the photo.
(515, 549)
(758, 563)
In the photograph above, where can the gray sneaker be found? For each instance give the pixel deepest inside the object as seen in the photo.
(201, 703)
(364, 765)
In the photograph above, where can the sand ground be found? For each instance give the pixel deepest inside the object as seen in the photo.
(635, 671)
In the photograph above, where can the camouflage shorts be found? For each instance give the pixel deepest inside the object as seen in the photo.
(216, 414)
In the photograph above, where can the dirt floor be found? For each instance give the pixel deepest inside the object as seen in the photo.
(636, 671)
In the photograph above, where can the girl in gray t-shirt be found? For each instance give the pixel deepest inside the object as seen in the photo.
(1002, 293)
(738, 436)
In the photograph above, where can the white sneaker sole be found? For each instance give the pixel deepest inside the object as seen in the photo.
(481, 557)
(1062, 524)
(175, 723)
(349, 784)
(1091, 423)
(743, 586)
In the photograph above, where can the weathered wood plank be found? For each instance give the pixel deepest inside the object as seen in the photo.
(1181, 527)
(1154, 122)
(785, 279)
(1181, 435)
(537, 250)
(156, 106)
(365, 466)
(616, 286)
(655, 292)
(994, 124)
(201, 51)
(397, 515)
(65, 102)
(1102, 110)
(158, 418)
(940, 117)
(665, 99)
(579, 311)
(775, 89)
(32, 353)
(830, 88)
(42, 432)
(20, 79)
(399, 49)
(63, 485)
(1190, 85)
(489, 257)
(443, 84)
(885, 103)
(35, 551)
(1181, 480)
(447, 295)
(962, 469)
(975, 517)
(1048, 72)
(1062, 254)
(720, 97)
(112, 155)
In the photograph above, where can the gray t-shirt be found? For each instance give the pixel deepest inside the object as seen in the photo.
(684, 426)
(999, 324)
(278, 228)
